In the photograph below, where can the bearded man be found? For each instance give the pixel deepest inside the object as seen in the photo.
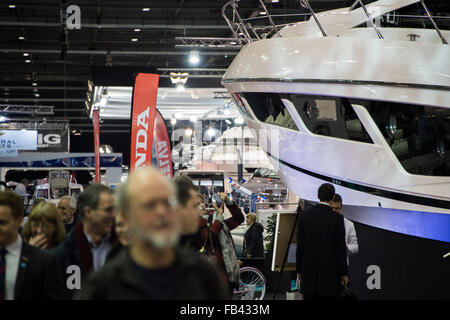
(152, 267)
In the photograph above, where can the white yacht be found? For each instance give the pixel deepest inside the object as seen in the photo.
(340, 99)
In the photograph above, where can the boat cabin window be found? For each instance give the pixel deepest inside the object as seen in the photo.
(329, 116)
(418, 135)
(269, 108)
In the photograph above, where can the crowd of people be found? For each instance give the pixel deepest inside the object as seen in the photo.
(155, 238)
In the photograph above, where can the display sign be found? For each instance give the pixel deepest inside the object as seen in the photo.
(5, 153)
(143, 119)
(96, 124)
(282, 247)
(18, 140)
(162, 146)
(59, 179)
(53, 140)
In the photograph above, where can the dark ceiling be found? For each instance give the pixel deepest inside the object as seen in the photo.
(61, 61)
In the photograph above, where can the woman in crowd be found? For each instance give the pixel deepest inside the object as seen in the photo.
(44, 228)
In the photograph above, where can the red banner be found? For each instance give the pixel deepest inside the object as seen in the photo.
(96, 124)
(143, 119)
(162, 146)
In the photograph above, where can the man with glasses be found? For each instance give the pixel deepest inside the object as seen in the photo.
(152, 266)
(89, 243)
(350, 234)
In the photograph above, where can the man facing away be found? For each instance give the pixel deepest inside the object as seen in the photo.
(26, 272)
(321, 252)
(152, 267)
(350, 233)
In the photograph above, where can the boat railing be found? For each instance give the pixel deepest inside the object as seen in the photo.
(245, 31)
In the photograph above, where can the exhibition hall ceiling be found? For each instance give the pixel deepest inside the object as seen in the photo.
(42, 62)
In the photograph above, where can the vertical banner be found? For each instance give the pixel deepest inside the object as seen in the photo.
(95, 122)
(162, 146)
(143, 119)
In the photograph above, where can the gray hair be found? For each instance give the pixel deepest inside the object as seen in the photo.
(72, 202)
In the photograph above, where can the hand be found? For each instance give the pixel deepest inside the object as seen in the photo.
(240, 263)
(344, 280)
(39, 241)
(222, 195)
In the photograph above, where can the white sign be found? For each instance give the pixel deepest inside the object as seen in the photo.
(4, 153)
(18, 140)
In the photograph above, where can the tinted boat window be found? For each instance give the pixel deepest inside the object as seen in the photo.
(269, 108)
(328, 116)
(418, 135)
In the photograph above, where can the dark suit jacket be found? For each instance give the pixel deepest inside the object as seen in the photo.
(196, 279)
(253, 241)
(321, 251)
(38, 276)
(75, 250)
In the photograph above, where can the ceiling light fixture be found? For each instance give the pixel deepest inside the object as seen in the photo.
(26, 54)
(21, 38)
(34, 84)
(12, 6)
(146, 9)
(194, 57)
(188, 132)
(137, 30)
(134, 39)
(173, 121)
(3, 118)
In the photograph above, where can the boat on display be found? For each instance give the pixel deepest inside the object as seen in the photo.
(341, 99)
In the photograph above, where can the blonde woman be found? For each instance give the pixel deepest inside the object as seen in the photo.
(44, 228)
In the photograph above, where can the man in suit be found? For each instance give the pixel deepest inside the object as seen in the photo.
(89, 243)
(321, 251)
(26, 272)
(351, 240)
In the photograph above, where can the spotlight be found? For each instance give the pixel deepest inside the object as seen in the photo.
(211, 132)
(145, 9)
(188, 132)
(173, 121)
(180, 87)
(194, 57)
(134, 40)
(3, 118)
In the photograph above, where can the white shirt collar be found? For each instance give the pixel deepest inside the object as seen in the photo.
(15, 247)
(92, 243)
(324, 203)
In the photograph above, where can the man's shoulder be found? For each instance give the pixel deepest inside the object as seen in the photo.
(193, 260)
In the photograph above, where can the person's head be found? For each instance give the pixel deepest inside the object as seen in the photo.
(120, 226)
(336, 205)
(11, 215)
(45, 219)
(96, 209)
(326, 193)
(24, 182)
(35, 202)
(67, 206)
(202, 204)
(251, 218)
(149, 209)
(188, 204)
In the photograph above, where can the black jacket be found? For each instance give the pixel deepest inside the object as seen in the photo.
(70, 227)
(253, 241)
(321, 251)
(196, 279)
(75, 250)
(38, 277)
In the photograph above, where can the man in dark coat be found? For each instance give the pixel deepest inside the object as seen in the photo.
(253, 238)
(88, 244)
(321, 250)
(152, 267)
(26, 272)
